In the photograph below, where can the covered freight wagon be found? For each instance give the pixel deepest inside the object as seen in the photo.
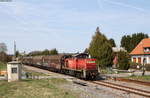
(54, 62)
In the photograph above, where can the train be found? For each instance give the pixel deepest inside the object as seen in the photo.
(78, 65)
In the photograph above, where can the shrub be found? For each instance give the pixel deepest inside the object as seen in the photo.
(133, 65)
(147, 66)
(4, 57)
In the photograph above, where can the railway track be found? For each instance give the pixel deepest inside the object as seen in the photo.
(129, 80)
(133, 81)
(118, 87)
(123, 88)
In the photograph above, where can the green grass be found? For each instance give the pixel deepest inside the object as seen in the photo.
(48, 88)
(122, 72)
(145, 78)
(34, 73)
(106, 71)
(3, 66)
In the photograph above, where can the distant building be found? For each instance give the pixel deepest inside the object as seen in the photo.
(116, 50)
(141, 52)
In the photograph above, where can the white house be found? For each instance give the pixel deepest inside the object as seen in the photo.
(141, 52)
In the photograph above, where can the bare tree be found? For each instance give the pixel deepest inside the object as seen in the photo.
(3, 47)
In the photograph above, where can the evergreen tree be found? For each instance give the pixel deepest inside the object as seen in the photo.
(123, 60)
(53, 52)
(131, 41)
(86, 50)
(100, 49)
(17, 53)
(112, 42)
(45, 52)
(126, 42)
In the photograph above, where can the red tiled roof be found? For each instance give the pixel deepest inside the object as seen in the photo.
(139, 49)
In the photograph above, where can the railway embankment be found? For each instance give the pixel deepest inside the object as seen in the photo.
(46, 84)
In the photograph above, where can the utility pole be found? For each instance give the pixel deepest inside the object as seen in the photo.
(143, 68)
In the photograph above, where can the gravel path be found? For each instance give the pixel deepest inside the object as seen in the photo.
(48, 73)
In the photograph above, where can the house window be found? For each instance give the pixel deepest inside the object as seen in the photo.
(139, 60)
(147, 49)
(14, 70)
(134, 60)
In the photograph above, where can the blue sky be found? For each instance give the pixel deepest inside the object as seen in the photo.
(69, 25)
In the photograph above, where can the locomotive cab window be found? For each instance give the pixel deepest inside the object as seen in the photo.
(14, 70)
(82, 56)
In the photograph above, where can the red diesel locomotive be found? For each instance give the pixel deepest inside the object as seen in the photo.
(79, 65)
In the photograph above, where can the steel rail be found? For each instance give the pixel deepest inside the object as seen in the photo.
(123, 88)
(134, 81)
(126, 87)
(129, 80)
